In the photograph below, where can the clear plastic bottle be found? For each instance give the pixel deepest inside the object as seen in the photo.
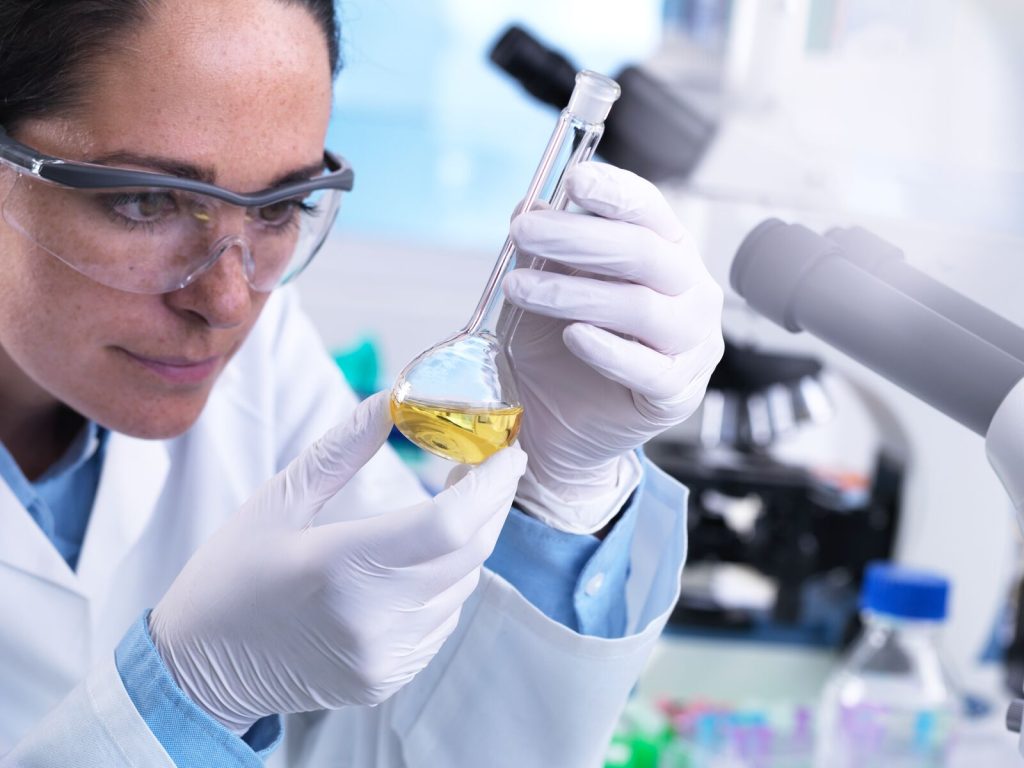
(892, 702)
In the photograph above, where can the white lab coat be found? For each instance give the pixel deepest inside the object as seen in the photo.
(510, 687)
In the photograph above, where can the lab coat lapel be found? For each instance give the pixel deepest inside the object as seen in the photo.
(24, 546)
(133, 476)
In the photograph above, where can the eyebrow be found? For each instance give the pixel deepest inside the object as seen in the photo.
(199, 173)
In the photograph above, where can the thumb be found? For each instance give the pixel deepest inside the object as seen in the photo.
(323, 469)
(457, 473)
(454, 518)
(538, 205)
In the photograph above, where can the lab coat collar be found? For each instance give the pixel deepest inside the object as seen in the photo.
(133, 476)
(24, 546)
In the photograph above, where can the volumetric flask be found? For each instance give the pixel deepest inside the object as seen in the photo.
(459, 398)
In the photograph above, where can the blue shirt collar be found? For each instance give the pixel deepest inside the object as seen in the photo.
(89, 440)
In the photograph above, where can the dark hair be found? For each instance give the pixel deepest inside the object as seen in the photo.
(47, 45)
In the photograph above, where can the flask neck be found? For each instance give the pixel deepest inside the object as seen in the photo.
(492, 312)
(572, 142)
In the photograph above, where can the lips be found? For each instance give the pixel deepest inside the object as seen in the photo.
(178, 370)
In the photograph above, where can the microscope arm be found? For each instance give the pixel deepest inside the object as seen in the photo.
(1004, 445)
(886, 262)
(804, 282)
(854, 291)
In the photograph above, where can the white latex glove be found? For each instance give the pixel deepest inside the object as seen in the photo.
(272, 615)
(608, 358)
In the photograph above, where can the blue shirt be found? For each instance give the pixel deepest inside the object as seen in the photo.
(576, 580)
(61, 499)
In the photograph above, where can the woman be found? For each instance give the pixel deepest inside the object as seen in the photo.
(162, 171)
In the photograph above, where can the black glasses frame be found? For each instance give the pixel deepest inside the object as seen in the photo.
(77, 175)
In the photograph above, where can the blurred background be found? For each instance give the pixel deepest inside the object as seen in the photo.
(902, 116)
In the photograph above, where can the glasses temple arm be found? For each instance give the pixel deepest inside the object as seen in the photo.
(16, 153)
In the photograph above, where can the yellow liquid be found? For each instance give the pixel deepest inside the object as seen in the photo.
(465, 435)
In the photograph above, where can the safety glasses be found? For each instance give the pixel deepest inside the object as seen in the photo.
(147, 232)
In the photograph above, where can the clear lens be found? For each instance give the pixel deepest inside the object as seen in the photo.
(151, 240)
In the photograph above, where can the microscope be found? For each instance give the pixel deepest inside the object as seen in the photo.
(857, 293)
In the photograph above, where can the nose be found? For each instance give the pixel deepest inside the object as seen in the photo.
(221, 296)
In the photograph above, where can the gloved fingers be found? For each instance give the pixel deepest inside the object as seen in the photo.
(615, 193)
(323, 469)
(668, 324)
(329, 464)
(665, 380)
(699, 363)
(617, 249)
(458, 472)
(413, 638)
(538, 205)
(419, 655)
(452, 567)
(451, 520)
(433, 640)
(439, 601)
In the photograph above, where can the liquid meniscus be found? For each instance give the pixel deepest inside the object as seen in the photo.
(464, 434)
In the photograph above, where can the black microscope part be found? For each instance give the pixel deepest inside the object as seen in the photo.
(652, 130)
(744, 369)
(545, 73)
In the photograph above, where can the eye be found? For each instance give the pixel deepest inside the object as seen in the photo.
(276, 214)
(282, 213)
(144, 207)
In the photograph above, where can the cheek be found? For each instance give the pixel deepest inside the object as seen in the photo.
(58, 329)
(36, 299)
(49, 316)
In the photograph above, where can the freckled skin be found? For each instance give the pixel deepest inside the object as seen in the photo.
(239, 86)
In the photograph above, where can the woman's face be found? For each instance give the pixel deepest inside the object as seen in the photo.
(238, 90)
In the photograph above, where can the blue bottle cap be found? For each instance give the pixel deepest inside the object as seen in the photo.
(906, 593)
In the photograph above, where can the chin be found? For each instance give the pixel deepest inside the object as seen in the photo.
(154, 420)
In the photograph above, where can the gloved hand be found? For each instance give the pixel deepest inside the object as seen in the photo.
(272, 615)
(612, 356)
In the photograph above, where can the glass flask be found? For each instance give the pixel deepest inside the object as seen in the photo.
(459, 399)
